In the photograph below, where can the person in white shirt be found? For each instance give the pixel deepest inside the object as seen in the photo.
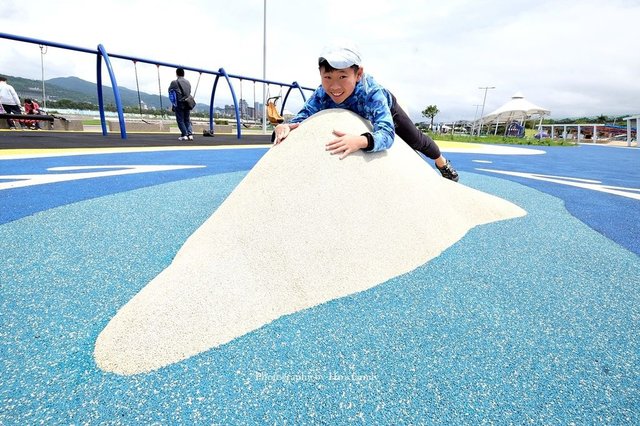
(9, 100)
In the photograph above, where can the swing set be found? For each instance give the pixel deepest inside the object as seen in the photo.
(243, 103)
(272, 111)
(104, 58)
(135, 69)
(273, 115)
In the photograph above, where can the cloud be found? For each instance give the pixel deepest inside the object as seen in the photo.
(574, 59)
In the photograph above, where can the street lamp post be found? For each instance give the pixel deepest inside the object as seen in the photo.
(483, 102)
(43, 51)
(264, 68)
(475, 116)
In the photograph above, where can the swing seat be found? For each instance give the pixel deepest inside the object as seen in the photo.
(272, 112)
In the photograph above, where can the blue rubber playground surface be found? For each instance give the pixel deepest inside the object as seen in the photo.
(533, 320)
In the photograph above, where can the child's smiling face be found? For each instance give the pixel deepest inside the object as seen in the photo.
(340, 84)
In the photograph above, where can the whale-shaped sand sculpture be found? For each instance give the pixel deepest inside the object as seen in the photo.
(302, 228)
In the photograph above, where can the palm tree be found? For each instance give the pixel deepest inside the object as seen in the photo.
(430, 112)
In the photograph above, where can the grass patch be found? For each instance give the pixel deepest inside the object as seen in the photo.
(91, 122)
(502, 140)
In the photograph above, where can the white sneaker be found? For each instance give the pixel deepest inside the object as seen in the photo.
(183, 138)
(190, 137)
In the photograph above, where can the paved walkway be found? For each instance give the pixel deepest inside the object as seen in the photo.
(531, 320)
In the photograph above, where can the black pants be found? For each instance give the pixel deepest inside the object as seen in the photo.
(11, 109)
(411, 134)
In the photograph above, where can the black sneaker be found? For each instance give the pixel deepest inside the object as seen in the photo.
(448, 172)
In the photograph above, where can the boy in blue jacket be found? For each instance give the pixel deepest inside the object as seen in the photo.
(345, 85)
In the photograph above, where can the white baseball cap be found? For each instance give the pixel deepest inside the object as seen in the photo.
(341, 55)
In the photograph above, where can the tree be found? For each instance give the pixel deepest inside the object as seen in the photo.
(430, 112)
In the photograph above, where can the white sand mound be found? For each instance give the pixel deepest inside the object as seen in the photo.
(301, 229)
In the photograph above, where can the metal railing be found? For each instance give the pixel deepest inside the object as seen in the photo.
(102, 54)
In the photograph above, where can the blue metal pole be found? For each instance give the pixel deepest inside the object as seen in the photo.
(293, 85)
(116, 91)
(213, 96)
(235, 102)
(284, 100)
(45, 43)
(103, 120)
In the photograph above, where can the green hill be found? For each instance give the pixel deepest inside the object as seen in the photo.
(79, 90)
(127, 96)
(27, 88)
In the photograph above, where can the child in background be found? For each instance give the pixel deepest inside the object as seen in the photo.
(31, 107)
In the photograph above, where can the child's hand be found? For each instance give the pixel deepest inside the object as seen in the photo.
(346, 144)
(282, 131)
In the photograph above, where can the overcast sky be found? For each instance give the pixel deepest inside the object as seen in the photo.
(575, 58)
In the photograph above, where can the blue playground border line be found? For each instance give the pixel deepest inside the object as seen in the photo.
(22, 202)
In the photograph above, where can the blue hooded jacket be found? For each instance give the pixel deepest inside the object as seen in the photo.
(369, 100)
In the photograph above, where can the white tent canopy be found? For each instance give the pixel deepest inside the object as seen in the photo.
(517, 109)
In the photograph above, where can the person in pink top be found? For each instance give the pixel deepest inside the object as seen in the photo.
(31, 107)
